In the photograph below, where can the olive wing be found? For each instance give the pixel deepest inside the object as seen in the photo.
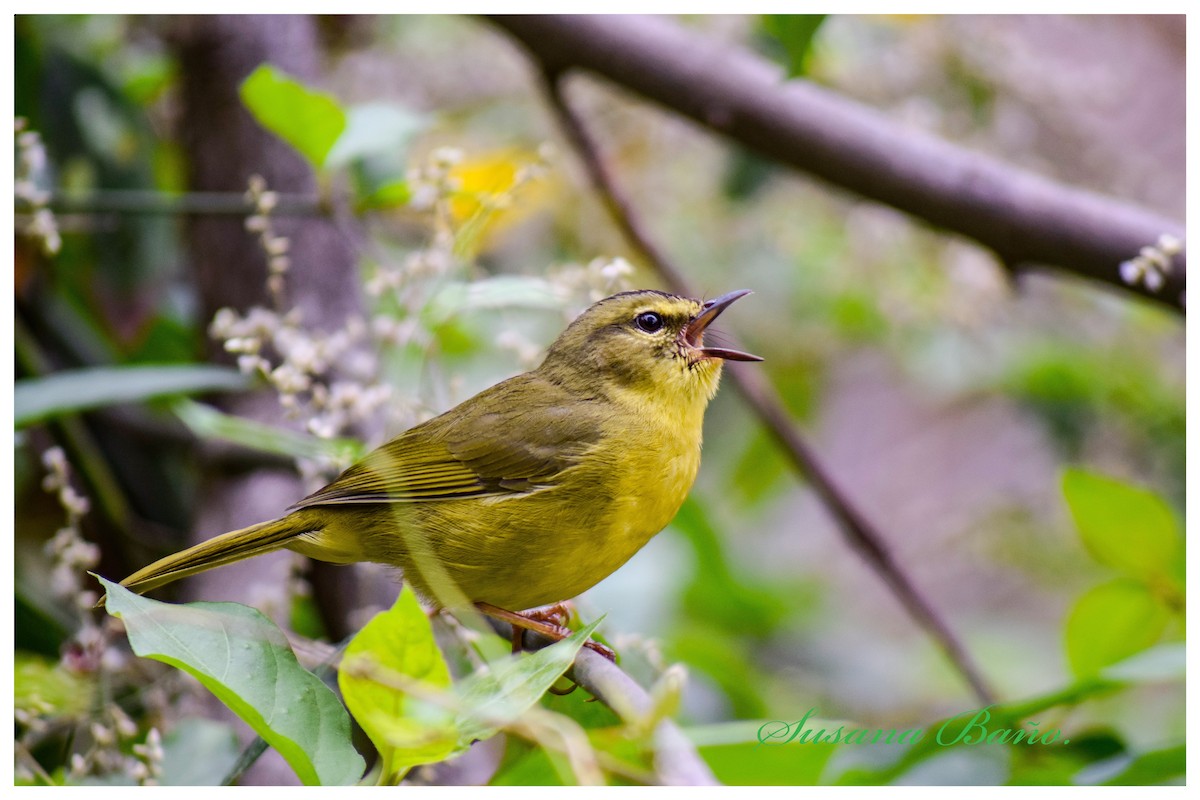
(513, 438)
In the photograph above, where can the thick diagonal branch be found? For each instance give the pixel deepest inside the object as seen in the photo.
(1024, 218)
(859, 531)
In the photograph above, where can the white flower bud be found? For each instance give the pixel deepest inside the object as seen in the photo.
(1169, 244)
(103, 736)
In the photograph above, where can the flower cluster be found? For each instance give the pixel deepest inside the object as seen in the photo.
(71, 557)
(1151, 266)
(111, 736)
(332, 381)
(432, 182)
(108, 742)
(300, 364)
(328, 380)
(276, 247)
(31, 167)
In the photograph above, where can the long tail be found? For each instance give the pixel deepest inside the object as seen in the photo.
(224, 549)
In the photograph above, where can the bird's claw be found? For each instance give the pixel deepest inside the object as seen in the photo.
(538, 621)
(603, 650)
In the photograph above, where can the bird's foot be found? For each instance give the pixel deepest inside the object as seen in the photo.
(548, 622)
(558, 614)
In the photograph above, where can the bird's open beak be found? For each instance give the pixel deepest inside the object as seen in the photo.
(693, 334)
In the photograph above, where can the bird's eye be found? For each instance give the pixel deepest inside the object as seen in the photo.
(648, 321)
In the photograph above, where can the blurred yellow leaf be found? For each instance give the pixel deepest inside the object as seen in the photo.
(497, 190)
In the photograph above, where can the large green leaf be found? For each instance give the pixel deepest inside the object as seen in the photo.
(397, 686)
(309, 120)
(401, 641)
(511, 686)
(68, 392)
(244, 659)
(1111, 622)
(1125, 526)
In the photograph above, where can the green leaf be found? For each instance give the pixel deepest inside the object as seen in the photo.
(733, 751)
(1124, 526)
(375, 146)
(401, 641)
(1154, 767)
(717, 595)
(43, 686)
(1009, 715)
(71, 391)
(795, 33)
(527, 765)
(503, 291)
(374, 130)
(760, 469)
(727, 661)
(428, 722)
(244, 659)
(309, 120)
(209, 423)
(1163, 662)
(580, 707)
(512, 685)
(198, 752)
(1111, 622)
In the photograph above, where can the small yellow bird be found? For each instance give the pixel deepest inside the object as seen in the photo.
(533, 490)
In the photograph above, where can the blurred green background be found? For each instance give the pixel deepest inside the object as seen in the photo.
(946, 398)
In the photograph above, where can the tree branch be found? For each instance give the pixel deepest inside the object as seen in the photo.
(859, 531)
(676, 762)
(1024, 218)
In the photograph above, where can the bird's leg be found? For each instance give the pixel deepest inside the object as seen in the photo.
(558, 614)
(531, 622)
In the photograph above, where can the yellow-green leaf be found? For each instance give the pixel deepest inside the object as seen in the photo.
(1125, 527)
(1111, 622)
(405, 731)
(511, 686)
(309, 120)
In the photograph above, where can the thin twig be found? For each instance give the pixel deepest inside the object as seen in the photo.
(858, 530)
(1024, 218)
(136, 201)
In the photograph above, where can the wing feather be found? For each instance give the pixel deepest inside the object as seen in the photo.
(515, 437)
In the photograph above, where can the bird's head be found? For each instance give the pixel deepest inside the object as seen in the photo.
(645, 341)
